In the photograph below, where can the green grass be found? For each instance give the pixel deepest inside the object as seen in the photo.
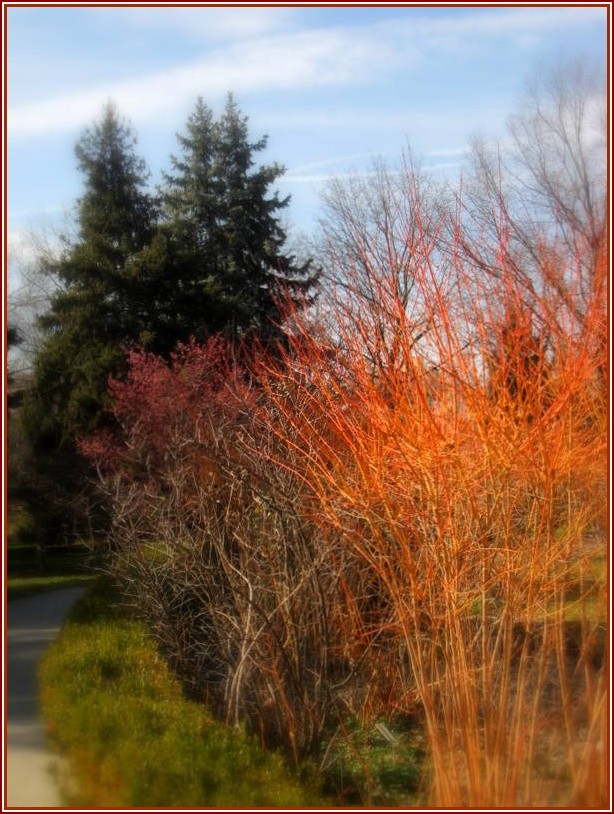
(26, 560)
(370, 766)
(20, 587)
(31, 571)
(132, 739)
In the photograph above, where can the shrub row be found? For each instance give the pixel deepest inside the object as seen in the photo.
(392, 515)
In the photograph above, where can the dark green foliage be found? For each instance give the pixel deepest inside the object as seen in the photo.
(210, 260)
(91, 316)
(13, 337)
(68, 395)
(225, 240)
(48, 492)
(207, 258)
(519, 365)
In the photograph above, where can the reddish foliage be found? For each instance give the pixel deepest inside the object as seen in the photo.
(161, 404)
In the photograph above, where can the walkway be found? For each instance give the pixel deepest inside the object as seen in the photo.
(33, 623)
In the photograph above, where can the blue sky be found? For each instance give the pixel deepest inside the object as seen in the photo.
(332, 87)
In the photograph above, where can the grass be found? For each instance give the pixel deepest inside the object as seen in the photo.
(132, 739)
(21, 587)
(381, 764)
(31, 570)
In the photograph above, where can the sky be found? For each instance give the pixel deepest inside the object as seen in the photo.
(332, 87)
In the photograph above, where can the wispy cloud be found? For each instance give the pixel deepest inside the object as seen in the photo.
(252, 56)
(445, 166)
(433, 124)
(340, 159)
(305, 60)
(322, 178)
(210, 25)
(452, 152)
(318, 179)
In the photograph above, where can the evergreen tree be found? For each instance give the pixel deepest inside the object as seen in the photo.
(95, 312)
(13, 337)
(13, 340)
(225, 237)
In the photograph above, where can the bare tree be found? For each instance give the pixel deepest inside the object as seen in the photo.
(545, 183)
(559, 141)
(376, 231)
(31, 260)
(379, 220)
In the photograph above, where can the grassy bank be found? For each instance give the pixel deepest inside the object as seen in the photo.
(132, 739)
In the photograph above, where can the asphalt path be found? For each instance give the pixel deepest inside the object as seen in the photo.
(31, 767)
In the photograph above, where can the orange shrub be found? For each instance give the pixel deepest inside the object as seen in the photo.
(457, 447)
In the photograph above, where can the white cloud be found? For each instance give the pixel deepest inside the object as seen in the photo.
(328, 162)
(257, 60)
(305, 60)
(207, 24)
(238, 23)
(519, 24)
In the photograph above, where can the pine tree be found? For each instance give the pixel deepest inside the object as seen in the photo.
(95, 312)
(225, 233)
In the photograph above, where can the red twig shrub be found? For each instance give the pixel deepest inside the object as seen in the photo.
(407, 507)
(465, 467)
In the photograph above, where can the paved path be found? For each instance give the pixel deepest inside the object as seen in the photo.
(32, 625)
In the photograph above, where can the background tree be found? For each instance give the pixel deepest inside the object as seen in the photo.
(548, 183)
(224, 238)
(31, 286)
(92, 315)
(13, 341)
(374, 233)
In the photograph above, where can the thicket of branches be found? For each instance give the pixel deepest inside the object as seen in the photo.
(389, 521)
(403, 510)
